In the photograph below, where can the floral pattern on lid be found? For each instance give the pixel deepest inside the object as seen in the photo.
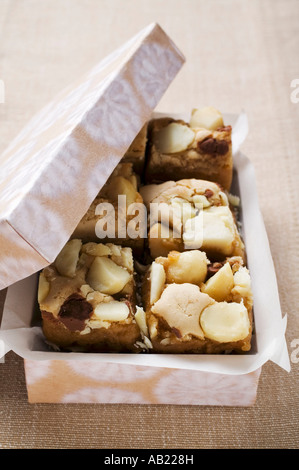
(54, 169)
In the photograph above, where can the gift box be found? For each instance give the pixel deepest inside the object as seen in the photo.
(50, 175)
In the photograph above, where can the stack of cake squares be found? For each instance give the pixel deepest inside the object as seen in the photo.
(157, 264)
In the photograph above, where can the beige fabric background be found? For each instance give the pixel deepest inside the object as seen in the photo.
(240, 54)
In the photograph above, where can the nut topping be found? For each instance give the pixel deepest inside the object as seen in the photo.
(175, 138)
(106, 276)
(225, 322)
(208, 193)
(158, 279)
(207, 117)
(112, 311)
(66, 261)
(220, 285)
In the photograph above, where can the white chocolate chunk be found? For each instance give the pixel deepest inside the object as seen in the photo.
(85, 290)
(234, 200)
(66, 261)
(225, 322)
(223, 197)
(106, 276)
(157, 281)
(181, 305)
(175, 138)
(112, 311)
(242, 277)
(193, 232)
(242, 283)
(153, 328)
(96, 249)
(127, 259)
(216, 235)
(214, 230)
(115, 249)
(122, 256)
(219, 286)
(43, 288)
(121, 186)
(208, 118)
(182, 210)
(224, 213)
(140, 318)
(189, 266)
(94, 298)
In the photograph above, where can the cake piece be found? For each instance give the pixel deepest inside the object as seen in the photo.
(136, 152)
(191, 309)
(87, 298)
(200, 149)
(191, 214)
(110, 218)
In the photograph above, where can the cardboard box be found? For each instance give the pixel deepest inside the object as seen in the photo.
(52, 172)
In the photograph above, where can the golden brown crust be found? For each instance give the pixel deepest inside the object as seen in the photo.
(210, 159)
(86, 229)
(167, 339)
(119, 337)
(78, 292)
(192, 193)
(205, 169)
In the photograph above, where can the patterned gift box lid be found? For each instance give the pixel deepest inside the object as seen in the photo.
(53, 170)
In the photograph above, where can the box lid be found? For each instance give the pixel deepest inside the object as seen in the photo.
(53, 170)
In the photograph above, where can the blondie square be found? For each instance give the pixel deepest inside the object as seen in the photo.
(87, 298)
(191, 214)
(109, 216)
(194, 306)
(201, 148)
